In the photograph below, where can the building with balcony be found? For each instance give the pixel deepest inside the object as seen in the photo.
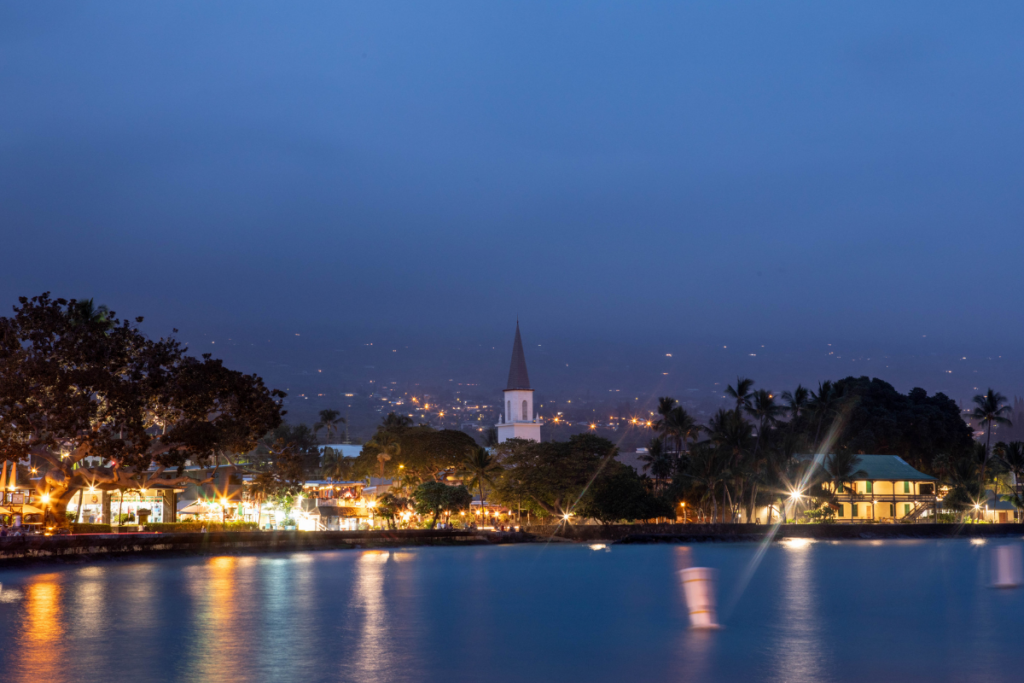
(890, 490)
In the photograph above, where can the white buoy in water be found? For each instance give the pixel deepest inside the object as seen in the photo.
(699, 589)
(1007, 567)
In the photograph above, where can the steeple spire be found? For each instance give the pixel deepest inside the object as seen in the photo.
(517, 375)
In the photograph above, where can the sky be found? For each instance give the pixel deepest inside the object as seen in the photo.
(738, 184)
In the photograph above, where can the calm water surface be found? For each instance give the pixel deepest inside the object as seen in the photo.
(850, 611)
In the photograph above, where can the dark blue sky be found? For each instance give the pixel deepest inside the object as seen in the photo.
(628, 178)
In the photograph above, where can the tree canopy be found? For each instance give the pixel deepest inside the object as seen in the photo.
(914, 426)
(74, 387)
(434, 498)
(424, 453)
(553, 475)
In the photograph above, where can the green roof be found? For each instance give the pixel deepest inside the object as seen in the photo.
(886, 468)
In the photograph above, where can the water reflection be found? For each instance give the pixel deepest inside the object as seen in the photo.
(799, 647)
(41, 637)
(372, 659)
(219, 634)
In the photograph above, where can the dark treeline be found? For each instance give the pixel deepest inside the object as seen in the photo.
(740, 466)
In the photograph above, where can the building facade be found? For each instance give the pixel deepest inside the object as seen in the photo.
(888, 490)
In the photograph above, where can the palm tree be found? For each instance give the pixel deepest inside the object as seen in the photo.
(682, 426)
(658, 461)
(655, 448)
(85, 310)
(387, 445)
(797, 402)
(329, 421)
(733, 435)
(479, 467)
(389, 506)
(1012, 458)
(965, 488)
(823, 404)
(990, 409)
(709, 468)
(666, 404)
(336, 466)
(843, 468)
(263, 486)
(741, 392)
(728, 430)
(763, 409)
(395, 422)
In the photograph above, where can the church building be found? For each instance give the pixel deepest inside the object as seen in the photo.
(518, 421)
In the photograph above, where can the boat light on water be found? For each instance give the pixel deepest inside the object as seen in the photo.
(699, 589)
(598, 546)
(1007, 567)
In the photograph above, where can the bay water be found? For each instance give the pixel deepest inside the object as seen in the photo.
(791, 611)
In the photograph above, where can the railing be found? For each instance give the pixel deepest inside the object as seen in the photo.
(887, 497)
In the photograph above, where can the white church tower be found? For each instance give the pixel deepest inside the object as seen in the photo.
(518, 420)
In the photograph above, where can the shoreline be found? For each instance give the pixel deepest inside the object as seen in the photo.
(83, 548)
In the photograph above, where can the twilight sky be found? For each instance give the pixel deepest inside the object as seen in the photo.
(631, 179)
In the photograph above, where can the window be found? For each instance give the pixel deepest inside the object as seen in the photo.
(906, 508)
(906, 487)
(867, 487)
(853, 510)
(525, 419)
(509, 410)
(892, 510)
(840, 513)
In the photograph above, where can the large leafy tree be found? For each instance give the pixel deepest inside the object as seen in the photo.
(424, 453)
(554, 475)
(434, 499)
(914, 426)
(620, 495)
(97, 402)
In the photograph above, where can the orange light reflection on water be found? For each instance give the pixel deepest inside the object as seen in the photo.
(40, 640)
(216, 622)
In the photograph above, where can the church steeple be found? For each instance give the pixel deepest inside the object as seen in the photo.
(518, 420)
(518, 378)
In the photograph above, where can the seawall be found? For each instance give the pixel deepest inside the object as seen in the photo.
(21, 549)
(83, 547)
(699, 533)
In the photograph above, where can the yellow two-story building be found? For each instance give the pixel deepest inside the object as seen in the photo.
(888, 490)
